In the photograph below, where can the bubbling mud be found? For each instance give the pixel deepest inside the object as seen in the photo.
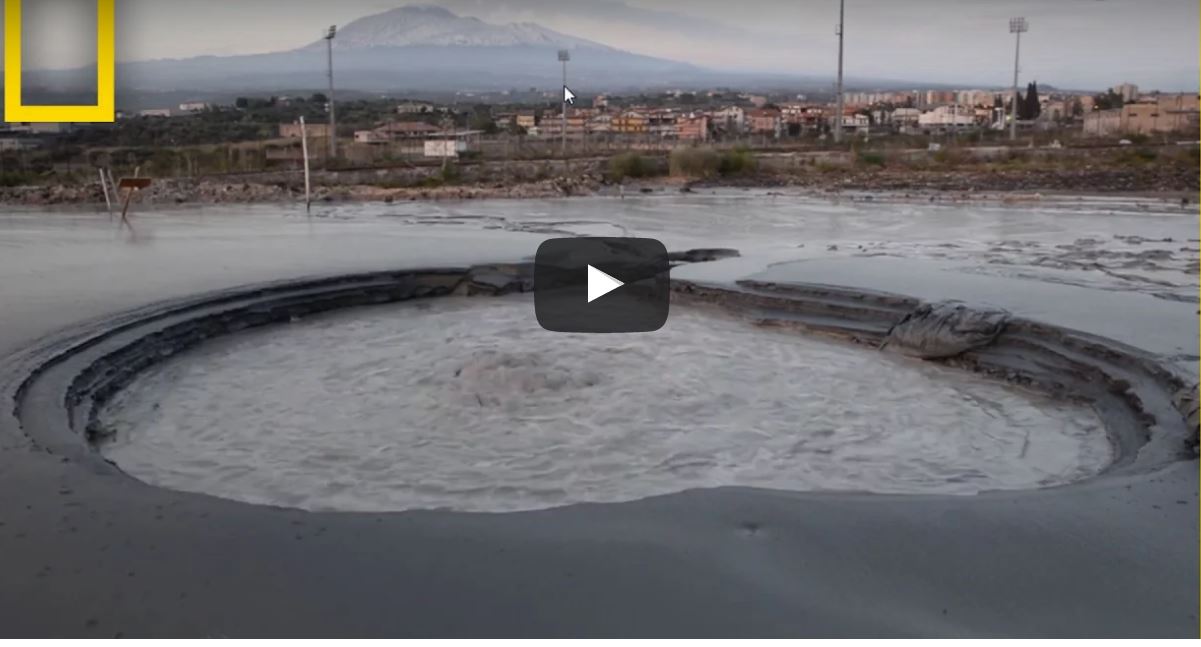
(467, 404)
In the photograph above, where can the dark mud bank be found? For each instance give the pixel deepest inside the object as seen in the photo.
(88, 551)
(1150, 412)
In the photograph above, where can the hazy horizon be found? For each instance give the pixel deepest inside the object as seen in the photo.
(1080, 44)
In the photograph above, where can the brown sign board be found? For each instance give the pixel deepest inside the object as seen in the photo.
(134, 182)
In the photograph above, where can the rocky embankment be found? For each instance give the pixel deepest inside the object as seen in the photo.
(1158, 179)
(211, 191)
(1175, 179)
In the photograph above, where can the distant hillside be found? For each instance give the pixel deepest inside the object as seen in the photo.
(423, 26)
(410, 48)
(417, 49)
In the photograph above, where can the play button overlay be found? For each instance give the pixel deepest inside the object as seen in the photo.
(602, 285)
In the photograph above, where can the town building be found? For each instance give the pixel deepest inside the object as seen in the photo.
(934, 98)
(36, 128)
(869, 99)
(1102, 123)
(452, 145)
(577, 126)
(902, 118)
(661, 124)
(765, 121)
(731, 119)
(601, 123)
(397, 130)
(801, 118)
(853, 123)
(694, 128)
(943, 118)
(16, 144)
(292, 131)
(1128, 92)
(415, 108)
(856, 99)
(504, 120)
(990, 116)
(974, 98)
(630, 123)
(526, 120)
(1055, 110)
(194, 106)
(1163, 113)
(1179, 112)
(370, 137)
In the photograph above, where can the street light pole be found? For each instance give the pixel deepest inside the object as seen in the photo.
(842, 5)
(564, 56)
(1016, 26)
(333, 114)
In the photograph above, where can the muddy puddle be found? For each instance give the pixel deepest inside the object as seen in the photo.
(467, 404)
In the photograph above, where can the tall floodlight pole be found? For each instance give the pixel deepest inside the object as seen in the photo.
(1016, 26)
(333, 114)
(564, 56)
(842, 5)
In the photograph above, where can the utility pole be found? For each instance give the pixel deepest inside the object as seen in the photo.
(308, 182)
(448, 127)
(333, 113)
(564, 56)
(1016, 26)
(842, 5)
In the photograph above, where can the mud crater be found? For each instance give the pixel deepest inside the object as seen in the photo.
(467, 404)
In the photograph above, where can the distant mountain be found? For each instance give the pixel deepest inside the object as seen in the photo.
(413, 48)
(427, 25)
(636, 28)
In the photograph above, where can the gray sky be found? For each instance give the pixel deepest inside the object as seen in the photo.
(1071, 43)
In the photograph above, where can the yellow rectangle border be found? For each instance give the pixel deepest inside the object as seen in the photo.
(106, 62)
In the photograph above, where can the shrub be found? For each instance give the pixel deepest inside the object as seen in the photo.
(871, 159)
(445, 176)
(630, 165)
(949, 157)
(694, 162)
(10, 179)
(1015, 159)
(737, 162)
(451, 174)
(1137, 156)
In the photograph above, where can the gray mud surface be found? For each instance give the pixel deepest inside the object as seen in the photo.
(456, 403)
(88, 551)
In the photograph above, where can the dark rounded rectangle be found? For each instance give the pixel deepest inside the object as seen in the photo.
(642, 303)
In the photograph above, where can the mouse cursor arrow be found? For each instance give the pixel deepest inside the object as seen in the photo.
(568, 96)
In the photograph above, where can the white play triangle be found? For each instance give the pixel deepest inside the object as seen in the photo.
(600, 284)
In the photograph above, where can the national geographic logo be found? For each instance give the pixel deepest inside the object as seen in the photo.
(105, 108)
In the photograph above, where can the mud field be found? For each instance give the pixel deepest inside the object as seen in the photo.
(813, 460)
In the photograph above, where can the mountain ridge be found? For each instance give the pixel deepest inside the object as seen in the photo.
(418, 48)
(431, 25)
(410, 48)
